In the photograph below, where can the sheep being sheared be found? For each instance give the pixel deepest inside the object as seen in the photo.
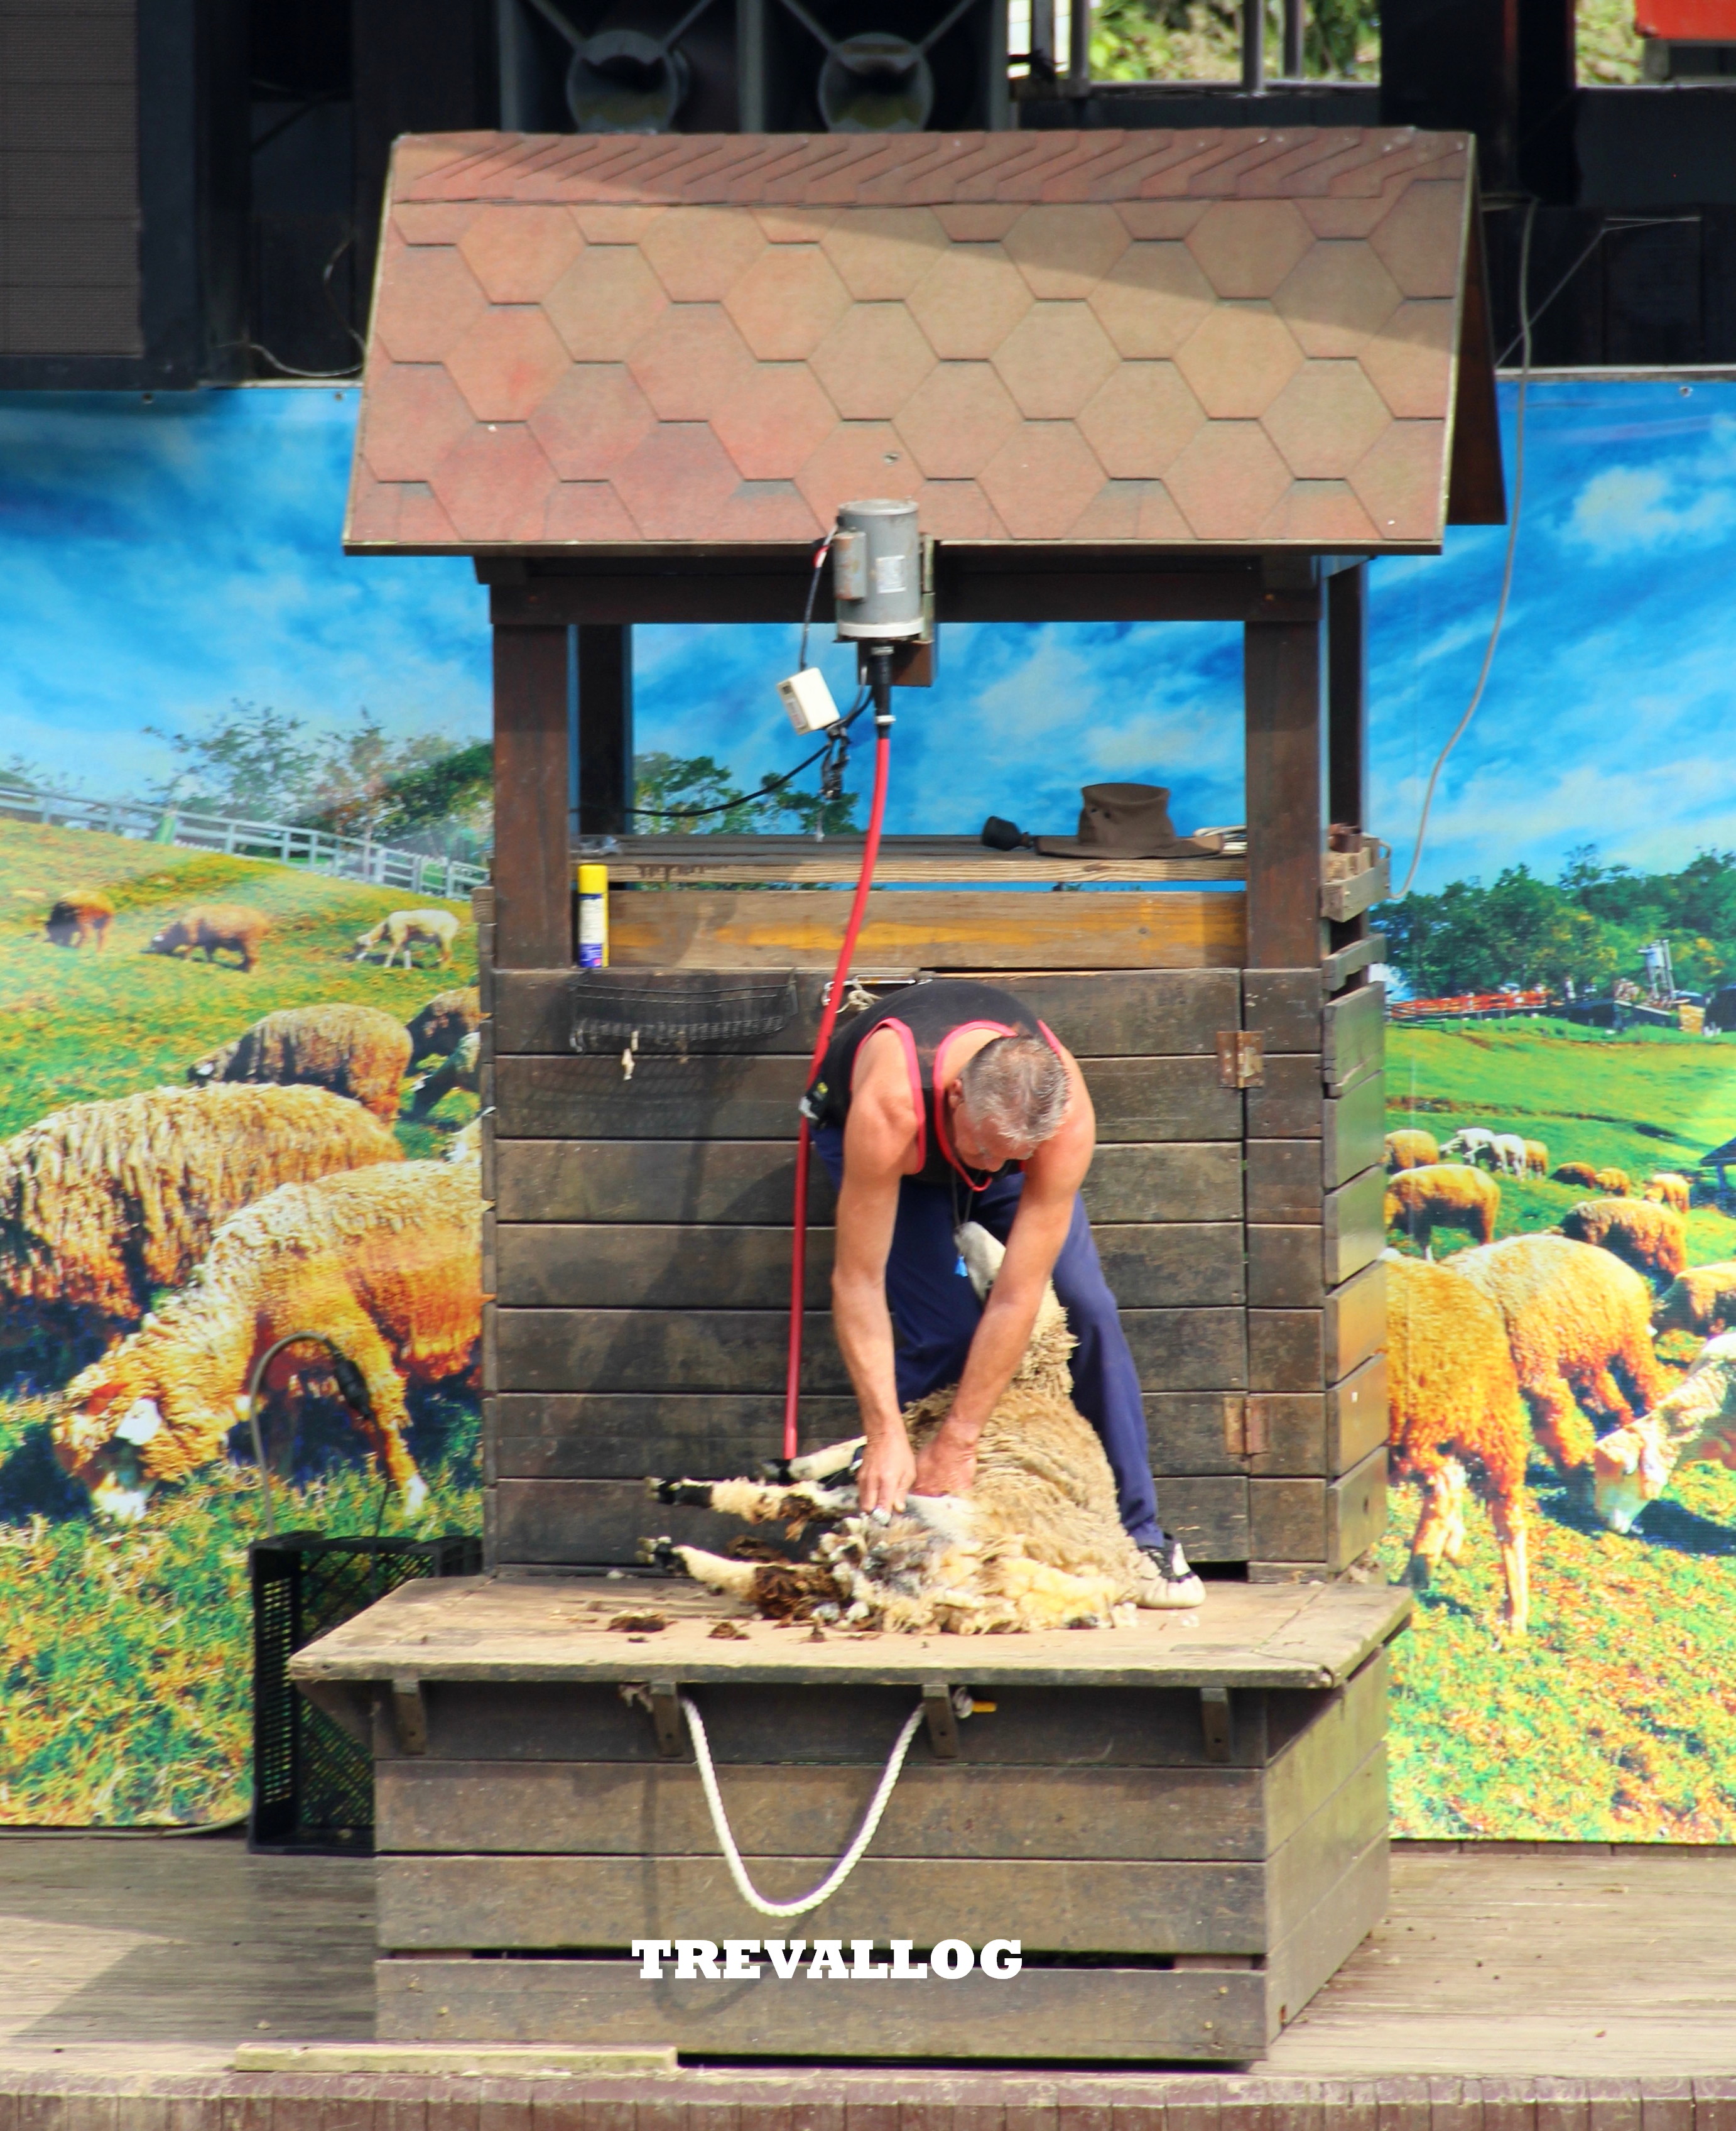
(1694, 1424)
(1038, 1543)
(385, 1261)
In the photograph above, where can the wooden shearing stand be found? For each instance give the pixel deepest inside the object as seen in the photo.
(1153, 376)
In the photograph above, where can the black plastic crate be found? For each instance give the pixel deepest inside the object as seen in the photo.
(312, 1784)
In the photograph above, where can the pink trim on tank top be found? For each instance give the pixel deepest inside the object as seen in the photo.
(915, 1070)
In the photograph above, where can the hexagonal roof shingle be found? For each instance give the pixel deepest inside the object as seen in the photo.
(1183, 340)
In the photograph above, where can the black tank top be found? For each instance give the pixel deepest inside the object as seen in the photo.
(925, 1016)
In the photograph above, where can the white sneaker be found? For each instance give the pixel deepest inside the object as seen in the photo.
(1166, 1583)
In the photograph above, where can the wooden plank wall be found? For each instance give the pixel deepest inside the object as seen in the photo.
(639, 1246)
(664, 1202)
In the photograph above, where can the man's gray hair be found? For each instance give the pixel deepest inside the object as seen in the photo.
(1017, 1088)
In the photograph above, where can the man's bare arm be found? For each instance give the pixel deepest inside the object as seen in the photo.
(876, 1144)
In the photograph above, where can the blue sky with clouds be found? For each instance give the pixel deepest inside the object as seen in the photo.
(158, 560)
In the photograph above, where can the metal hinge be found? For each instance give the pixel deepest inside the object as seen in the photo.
(1245, 1427)
(1241, 1057)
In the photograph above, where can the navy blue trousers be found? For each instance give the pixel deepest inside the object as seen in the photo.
(936, 1313)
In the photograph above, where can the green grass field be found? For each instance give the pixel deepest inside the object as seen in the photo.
(1615, 1719)
(125, 1672)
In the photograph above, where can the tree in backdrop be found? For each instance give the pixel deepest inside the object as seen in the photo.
(1587, 927)
(425, 793)
(693, 795)
(1201, 40)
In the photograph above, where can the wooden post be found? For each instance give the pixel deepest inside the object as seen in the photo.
(1346, 692)
(533, 887)
(1283, 681)
(605, 729)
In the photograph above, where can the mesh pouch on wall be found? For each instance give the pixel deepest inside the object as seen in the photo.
(616, 1011)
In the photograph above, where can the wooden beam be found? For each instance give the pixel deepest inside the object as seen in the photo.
(1477, 488)
(533, 894)
(1346, 692)
(1283, 680)
(1068, 586)
(605, 729)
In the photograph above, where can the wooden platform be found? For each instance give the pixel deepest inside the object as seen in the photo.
(1181, 1823)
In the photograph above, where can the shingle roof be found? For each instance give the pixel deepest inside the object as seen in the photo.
(1179, 338)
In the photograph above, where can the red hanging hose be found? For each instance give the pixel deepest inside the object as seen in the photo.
(828, 1022)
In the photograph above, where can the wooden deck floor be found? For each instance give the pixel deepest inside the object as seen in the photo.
(139, 1956)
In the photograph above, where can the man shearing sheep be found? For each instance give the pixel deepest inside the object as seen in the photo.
(950, 1101)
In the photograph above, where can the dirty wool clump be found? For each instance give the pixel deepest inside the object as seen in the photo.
(1037, 1543)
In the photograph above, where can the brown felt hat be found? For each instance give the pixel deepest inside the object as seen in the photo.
(1125, 821)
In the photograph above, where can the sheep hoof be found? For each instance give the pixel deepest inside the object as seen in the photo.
(661, 1552)
(694, 1494)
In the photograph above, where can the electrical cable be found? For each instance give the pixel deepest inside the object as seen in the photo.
(846, 1864)
(765, 791)
(820, 553)
(1513, 542)
(880, 665)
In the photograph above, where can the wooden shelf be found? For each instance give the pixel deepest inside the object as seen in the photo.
(803, 862)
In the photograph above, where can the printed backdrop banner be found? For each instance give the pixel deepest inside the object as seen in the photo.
(243, 792)
(250, 753)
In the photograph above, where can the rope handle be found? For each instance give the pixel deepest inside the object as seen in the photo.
(846, 1864)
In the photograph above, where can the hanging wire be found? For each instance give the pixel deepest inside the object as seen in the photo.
(765, 791)
(1513, 542)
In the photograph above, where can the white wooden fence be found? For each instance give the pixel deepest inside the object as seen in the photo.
(350, 858)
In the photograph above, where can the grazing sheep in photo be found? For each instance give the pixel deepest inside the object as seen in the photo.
(1510, 1158)
(1693, 1424)
(1613, 1183)
(1411, 1149)
(102, 1203)
(1574, 1315)
(1038, 1543)
(1447, 1195)
(230, 926)
(1665, 1187)
(400, 930)
(1454, 1404)
(80, 918)
(354, 1051)
(1577, 1172)
(1537, 1158)
(1649, 1237)
(1472, 1144)
(444, 1023)
(462, 1070)
(386, 1262)
(1702, 1300)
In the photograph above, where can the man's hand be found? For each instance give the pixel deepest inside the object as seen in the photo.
(888, 1467)
(949, 1465)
